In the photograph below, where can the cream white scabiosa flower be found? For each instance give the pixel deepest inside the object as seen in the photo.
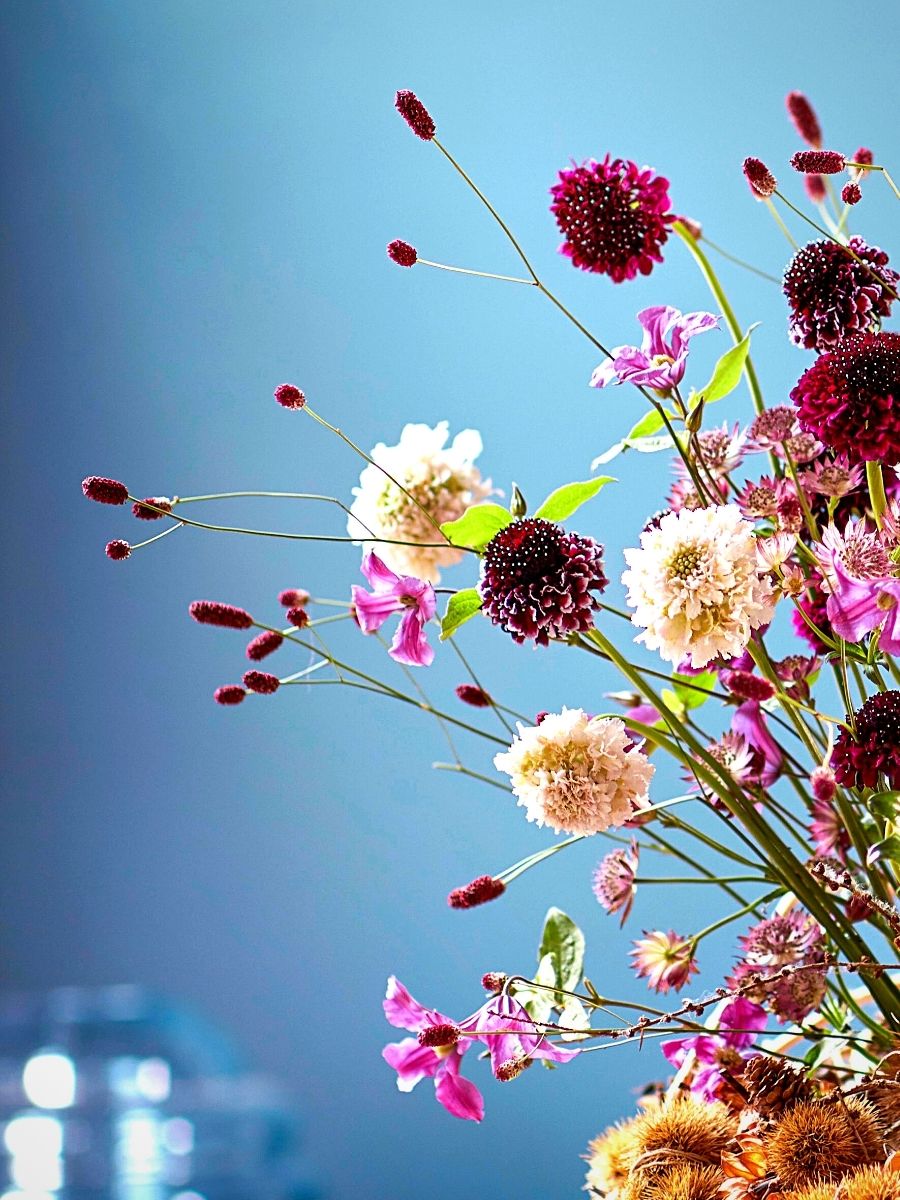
(696, 585)
(577, 774)
(442, 478)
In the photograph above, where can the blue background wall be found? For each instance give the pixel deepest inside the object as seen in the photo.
(196, 205)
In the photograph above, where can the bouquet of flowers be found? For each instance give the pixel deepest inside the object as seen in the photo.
(784, 1080)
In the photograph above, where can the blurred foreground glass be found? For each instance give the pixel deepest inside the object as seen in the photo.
(120, 1094)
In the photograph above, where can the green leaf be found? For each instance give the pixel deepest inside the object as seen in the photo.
(539, 1001)
(460, 608)
(476, 526)
(651, 422)
(727, 373)
(886, 805)
(569, 498)
(888, 848)
(564, 942)
(673, 702)
(689, 696)
(644, 445)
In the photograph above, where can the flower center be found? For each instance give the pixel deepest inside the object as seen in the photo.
(685, 562)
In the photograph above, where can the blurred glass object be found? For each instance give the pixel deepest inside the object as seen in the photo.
(117, 1094)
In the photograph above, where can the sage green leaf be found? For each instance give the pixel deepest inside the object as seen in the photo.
(727, 372)
(460, 608)
(564, 942)
(568, 499)
(478, 524)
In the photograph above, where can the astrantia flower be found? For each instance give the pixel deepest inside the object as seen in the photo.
(614, 216)
(577, 774)
(665, 960)
(832, 295)
(874, 748)
(771, 428)
(660, 360)
(834, 479)
(613, 880)
(443, 479)
(758, 499)
(414, 1062)
(850, 397)
(789, 939)
(390, 594)
(719, 450)
(725, 1048)
(696, 587)
(537, 580)
(829, 834)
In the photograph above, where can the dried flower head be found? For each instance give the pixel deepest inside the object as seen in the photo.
(761, 180)
(685, 1129)
(289, 396)
(118, 550)
(871, 1183)
(874, 747)
(576, 773)
(696, 587)
(818, 162)
(609, 1159)
(479, 891)
(537, 580)
(850, 397)
(835, 291)
(264, 644)
(211, 612)
(231, 693)
(402, 253)
(804, 119)
(140, 510)
(683, 1181)
(415, 114)
(613, 215)
(817, 1141)
(104, 491)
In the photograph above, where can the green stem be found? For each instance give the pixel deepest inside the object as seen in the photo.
(875, 480)
(735, 916)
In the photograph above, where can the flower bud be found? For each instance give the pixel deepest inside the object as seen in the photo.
(815, 188)
(518, 505)
(402, 253)
(865, 156)
(264, 644)
(261, 682)
(479, 891)
(818, 162)
(291, 597)
(493, 981)
(118, 550)
(289, 396)
(298, 617)
(104, 491)
(823, 783)
(415, 114)
(851, 193)
(469, 693)
(761, 180)
(231, 693)
(150, 514)
(804, 118)
(694, 228)
(210, 612)
(438, 1035)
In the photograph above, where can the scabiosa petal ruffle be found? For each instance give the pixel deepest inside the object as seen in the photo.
(833, 291)
(537, 580)
(614, 216)
(850, 397)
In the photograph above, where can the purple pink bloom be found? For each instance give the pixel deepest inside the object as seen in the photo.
(790, 939)
(390, 594)
(512, 1037)
(665, 960)
(614, 217)
(722, 1049)
(613, 880)
(660, 360)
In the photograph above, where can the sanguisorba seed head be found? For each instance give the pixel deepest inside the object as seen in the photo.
(415, 114)
(211, 612)
(103, 490)
(761, 180)
(804, 118)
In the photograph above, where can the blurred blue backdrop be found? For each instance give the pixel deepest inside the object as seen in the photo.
(197, 200)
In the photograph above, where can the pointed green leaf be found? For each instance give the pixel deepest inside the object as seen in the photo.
(461, 607)
(644, 445)
(569, 498)
(727, 373)
(889, 848)
(476, 526)
(886, 805)
(651, 422)
(564, 942)
(689, 695)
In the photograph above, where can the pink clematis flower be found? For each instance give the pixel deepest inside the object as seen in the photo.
(749, 723)
(722, 1049)
(390, 594)
(858, 606)
(660, 360)
(512, 1037)
(414, 1061)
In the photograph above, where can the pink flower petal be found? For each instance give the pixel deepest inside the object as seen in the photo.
(406, 1013)
(459, 1095)
(412, 1062)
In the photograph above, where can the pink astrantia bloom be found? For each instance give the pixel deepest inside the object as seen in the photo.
(613, 879)
(390, 594)
(414, 1062)
(722, 1049)
(660, 360)
(512, 1037)
(665, 960)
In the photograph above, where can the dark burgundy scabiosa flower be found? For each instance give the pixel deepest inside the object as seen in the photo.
(415, 114)
(479, 891)
(469, 693)
(832, 295)
(850, 397)
(118, 550)
(536, 580)
(875, 749)
(289, 396)
(804, 119)
(402, 253)
(818, 162)
(104, 491)
(851, 193)
(264, 644)
(261, 682)
(143, 513)
(231, 693)
(614, 216)
(761, 180)
(211, 612)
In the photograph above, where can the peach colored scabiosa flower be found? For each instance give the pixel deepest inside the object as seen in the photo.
(696, 586)
(443, 479)
(577, 774)
(665, 960)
